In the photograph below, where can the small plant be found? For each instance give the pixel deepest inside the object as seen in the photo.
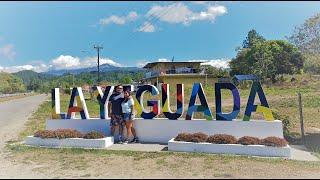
(222, 139)
(183, 137)
(248, 140)
(199, 137)
(274, 141)
(94, 135)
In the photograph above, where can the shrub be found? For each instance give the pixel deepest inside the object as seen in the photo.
(274, 141)
(248, 140)
(67, 133)
(94, 135)
(59, 133)
(44, 134)
(183, 137)
(222, 139)
(199, 137)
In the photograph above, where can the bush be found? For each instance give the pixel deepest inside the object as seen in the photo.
(67, 133)
(198, 137)
(94, 135)
(274, 141)
(248, 140)
(183, 137)
(59, 133)
(44, 134)
(222, 139)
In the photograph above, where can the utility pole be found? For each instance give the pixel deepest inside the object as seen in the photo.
(301, 119)
(98, 51)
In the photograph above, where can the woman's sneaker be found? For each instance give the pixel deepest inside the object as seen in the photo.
(135, 140)
(125, 142)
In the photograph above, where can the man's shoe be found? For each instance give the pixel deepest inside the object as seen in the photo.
(125, 142)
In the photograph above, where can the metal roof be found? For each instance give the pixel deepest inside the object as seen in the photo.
(150, 65)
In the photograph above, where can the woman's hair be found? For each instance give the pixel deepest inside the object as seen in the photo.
(127, 91)
(118, 86)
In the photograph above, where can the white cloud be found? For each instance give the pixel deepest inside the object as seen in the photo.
(163, 60)
(65, 62)
(70, 62)
(219, 63)
(7, 51)
(92, 61)
(120, 20)
(199, 2)
(61, 62)
(142, 63)
(210, 15)
(146, 27)
(13, 69)
(180, 13)
(174, 13)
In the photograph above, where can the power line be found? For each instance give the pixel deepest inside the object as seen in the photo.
(152, 19)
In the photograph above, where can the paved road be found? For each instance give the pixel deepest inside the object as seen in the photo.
(13, 115)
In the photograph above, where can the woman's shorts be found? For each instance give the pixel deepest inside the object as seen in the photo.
(128, 116)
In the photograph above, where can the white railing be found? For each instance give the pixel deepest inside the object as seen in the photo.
(173, 71)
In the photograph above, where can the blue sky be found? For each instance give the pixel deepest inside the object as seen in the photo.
(58, 35)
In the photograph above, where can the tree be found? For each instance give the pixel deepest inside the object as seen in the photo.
(126, 80)
(34, 84)
(307, 38)
(217, 72)
(252, 38)
(267, 59)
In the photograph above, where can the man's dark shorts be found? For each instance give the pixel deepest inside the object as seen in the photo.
(116, 120)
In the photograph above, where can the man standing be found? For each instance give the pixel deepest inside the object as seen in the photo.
(115, 112)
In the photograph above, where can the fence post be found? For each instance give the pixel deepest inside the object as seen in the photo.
(301, 119)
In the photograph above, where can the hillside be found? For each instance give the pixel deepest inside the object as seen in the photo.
(10, 83)
(103, 68)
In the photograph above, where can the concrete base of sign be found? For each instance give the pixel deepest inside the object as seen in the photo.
(160, 130)
(238, 149)
(70, 142)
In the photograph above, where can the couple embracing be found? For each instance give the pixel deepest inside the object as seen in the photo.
(121, 111)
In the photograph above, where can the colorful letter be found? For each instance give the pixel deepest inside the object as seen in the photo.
(264, 107)
(236, 101)
(103, 98)
(77, 104)
(154, 103)
(197, 89)
(55, 104)
(166, 101)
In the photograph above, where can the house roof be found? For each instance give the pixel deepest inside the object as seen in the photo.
(150, 65)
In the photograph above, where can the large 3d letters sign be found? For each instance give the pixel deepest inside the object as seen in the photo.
(166, 101)
(236, 101)
(153, 103)
(78, 104)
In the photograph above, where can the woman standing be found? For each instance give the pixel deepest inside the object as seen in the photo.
(128, 116)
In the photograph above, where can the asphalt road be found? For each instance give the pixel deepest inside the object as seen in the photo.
(13, 115)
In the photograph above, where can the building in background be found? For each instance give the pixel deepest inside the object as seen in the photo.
(176, 73)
